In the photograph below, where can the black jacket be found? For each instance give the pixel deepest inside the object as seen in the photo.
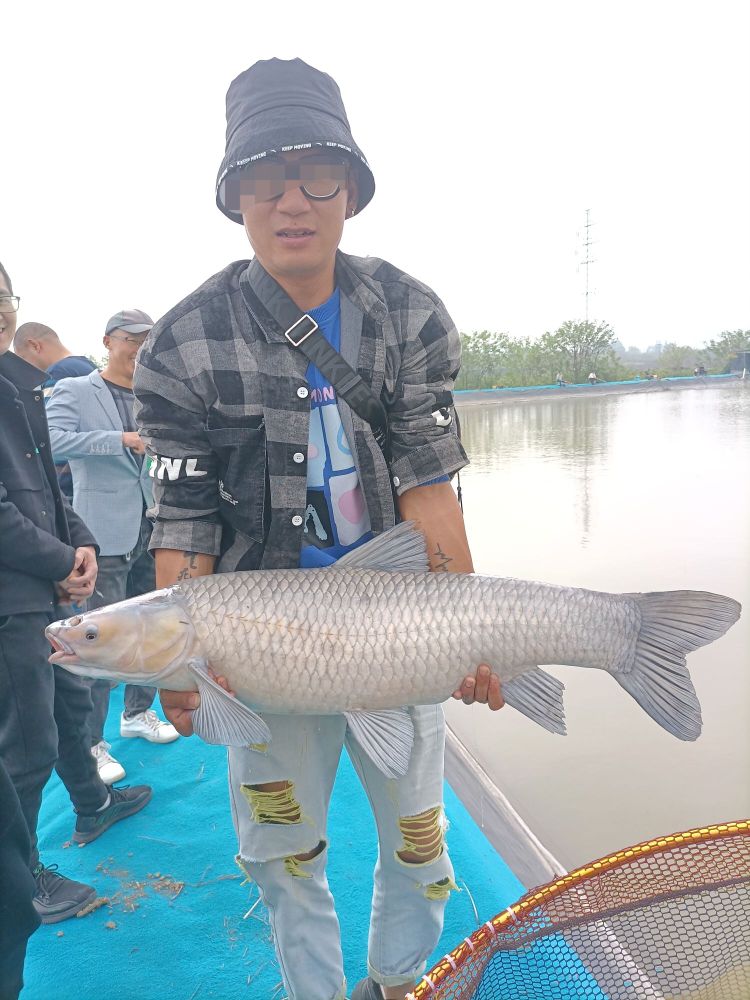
(39, 532)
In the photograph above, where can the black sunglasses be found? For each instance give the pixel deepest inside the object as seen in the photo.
(320, 176)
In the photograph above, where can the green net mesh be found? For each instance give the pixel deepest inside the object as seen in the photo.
(666, 920)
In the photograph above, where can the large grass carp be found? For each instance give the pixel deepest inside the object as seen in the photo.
(377, 632)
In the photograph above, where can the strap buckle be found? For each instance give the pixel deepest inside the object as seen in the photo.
(303, 334)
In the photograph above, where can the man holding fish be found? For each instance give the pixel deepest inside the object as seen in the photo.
(285, 402)
(260, 463)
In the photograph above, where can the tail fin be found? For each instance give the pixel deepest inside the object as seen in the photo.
(673, 624)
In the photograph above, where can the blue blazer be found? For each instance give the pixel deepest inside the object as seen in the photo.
(109, 486)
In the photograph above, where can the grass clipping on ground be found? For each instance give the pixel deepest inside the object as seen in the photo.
(128, 897)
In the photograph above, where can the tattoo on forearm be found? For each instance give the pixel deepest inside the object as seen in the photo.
(443, 559)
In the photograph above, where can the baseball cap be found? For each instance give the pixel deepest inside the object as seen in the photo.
(129, 320)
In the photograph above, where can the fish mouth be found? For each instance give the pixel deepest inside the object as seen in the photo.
(62, 650)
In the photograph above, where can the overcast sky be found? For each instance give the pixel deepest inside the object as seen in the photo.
(490, 128)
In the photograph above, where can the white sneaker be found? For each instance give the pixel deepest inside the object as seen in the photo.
(149, 727)
(110, 770)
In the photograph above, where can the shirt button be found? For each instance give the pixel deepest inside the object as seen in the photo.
(37, 398)
(297, 520)
(396, 481)
(44, 513)
(298, 457)
(28, 454)
(302, 392)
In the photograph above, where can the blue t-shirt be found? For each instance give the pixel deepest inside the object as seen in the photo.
(336, 518)
(74, 366)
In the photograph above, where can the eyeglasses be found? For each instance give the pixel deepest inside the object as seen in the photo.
(135, 341)
(9, 303)
(321, 177)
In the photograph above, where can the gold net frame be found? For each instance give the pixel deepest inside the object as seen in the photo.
(711, 862)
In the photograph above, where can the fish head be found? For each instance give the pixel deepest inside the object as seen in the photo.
(138, 641)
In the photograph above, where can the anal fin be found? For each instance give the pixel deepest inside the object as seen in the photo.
(220, 718)
(538, 696)
(386, 737)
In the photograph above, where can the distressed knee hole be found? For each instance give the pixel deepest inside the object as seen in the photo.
(423, 837)
(294, 862)
(273, 803)
(441, 890)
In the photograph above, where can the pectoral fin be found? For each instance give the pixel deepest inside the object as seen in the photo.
(539, 696)
(222, 719)
(386, 737)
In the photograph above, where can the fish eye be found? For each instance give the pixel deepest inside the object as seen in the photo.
(92, 632)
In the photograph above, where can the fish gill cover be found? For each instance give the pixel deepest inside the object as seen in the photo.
(665, 920)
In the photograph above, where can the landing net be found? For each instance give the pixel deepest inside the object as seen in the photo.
(666, 920)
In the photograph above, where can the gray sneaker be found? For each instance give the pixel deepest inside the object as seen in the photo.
(57, 897)
(367, 989)
(123, 802)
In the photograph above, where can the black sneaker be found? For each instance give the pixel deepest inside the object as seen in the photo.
(123, 802)
(58, 898)
(367, 989)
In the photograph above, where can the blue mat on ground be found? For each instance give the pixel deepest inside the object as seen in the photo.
(174, 925)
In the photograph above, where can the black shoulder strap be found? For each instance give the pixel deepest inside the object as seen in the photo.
(307, 337)
(304, 333)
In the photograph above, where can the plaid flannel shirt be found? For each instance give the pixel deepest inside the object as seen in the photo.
(223, 405)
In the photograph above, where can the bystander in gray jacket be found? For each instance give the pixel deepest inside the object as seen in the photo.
(90, 419)
(110, 486)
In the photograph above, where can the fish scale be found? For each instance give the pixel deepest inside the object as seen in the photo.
(325, 641)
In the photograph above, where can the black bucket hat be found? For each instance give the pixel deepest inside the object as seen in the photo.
(283, 104)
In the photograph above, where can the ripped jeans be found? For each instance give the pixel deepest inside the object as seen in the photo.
(409, 896)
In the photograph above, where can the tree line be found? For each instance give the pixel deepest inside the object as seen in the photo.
(577, 348)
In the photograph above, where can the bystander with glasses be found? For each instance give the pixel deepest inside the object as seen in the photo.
(47, 554)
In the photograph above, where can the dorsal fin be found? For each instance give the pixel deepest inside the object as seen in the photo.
(400, 549)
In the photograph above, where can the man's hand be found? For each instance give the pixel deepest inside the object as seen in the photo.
(172, 566)
(179, 705)
(483, 688)
(79, 583)
(132, 440)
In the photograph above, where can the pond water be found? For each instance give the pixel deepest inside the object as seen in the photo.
(617, 493)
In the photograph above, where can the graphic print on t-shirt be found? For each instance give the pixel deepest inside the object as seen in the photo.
(336, 517)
